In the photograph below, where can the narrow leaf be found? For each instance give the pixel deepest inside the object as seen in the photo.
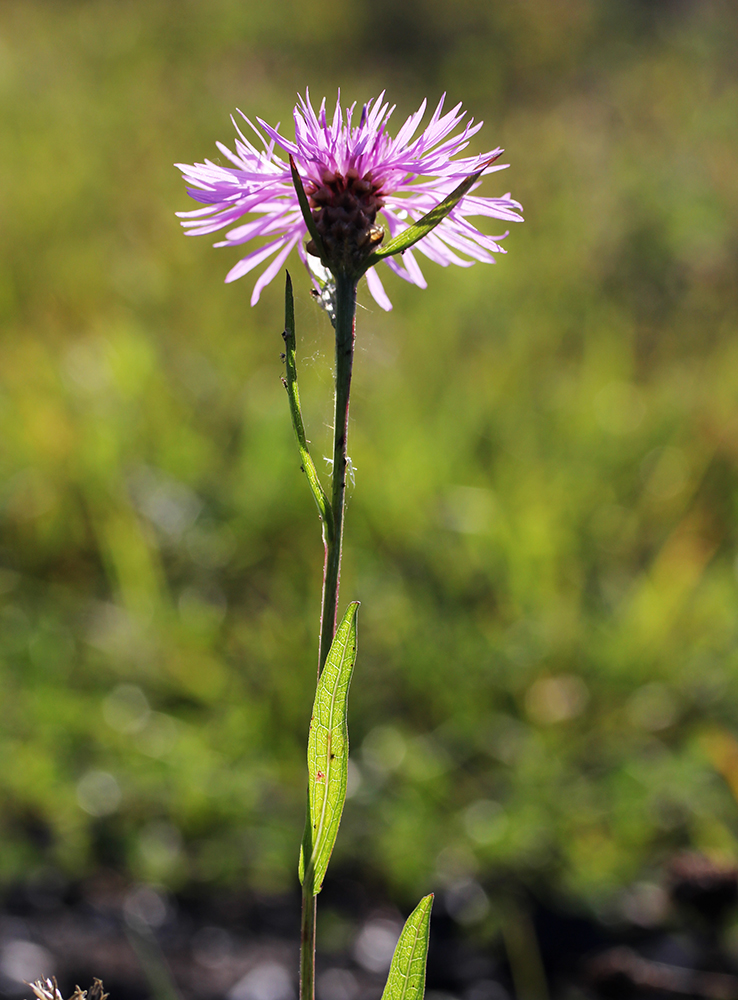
(305, 209)
(406, 979)
(290, 384)
(410, 236)
(328, 754)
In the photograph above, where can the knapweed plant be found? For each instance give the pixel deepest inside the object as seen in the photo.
(348, 196)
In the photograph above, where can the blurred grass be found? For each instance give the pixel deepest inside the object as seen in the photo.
(542, 531)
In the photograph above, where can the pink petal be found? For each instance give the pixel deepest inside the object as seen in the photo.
(253, 260)
(272, 270)
(377, 290)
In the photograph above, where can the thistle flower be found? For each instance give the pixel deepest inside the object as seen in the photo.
(354, 175)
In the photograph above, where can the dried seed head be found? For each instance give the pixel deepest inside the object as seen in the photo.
(48, 989)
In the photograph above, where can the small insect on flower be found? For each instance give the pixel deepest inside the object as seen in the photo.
(359, 181)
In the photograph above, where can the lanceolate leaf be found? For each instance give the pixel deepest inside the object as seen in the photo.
(328, 754)
(410, 236)
(406, 979)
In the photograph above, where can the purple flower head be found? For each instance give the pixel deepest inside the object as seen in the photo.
(352, 174)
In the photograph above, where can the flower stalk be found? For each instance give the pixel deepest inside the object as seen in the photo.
(345, 338)
(332, 516)
(345, 329)
(307, 931)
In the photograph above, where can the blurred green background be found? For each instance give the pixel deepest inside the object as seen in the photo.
(543, 527)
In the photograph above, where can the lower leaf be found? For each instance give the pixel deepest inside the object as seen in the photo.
(406, 979)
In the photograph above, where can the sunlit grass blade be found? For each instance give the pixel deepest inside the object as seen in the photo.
(328, 754)
(406, 979)
(411, 235)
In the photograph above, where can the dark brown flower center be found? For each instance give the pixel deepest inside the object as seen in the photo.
(345, 209)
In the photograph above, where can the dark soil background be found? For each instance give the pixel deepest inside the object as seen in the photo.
(145, 942)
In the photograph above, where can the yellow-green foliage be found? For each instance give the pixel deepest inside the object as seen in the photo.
(542, 532)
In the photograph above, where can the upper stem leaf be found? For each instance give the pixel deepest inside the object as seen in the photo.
(327, 755)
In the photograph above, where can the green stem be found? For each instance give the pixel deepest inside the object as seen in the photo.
(345, 335)
(307, 938)
(332, 515)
